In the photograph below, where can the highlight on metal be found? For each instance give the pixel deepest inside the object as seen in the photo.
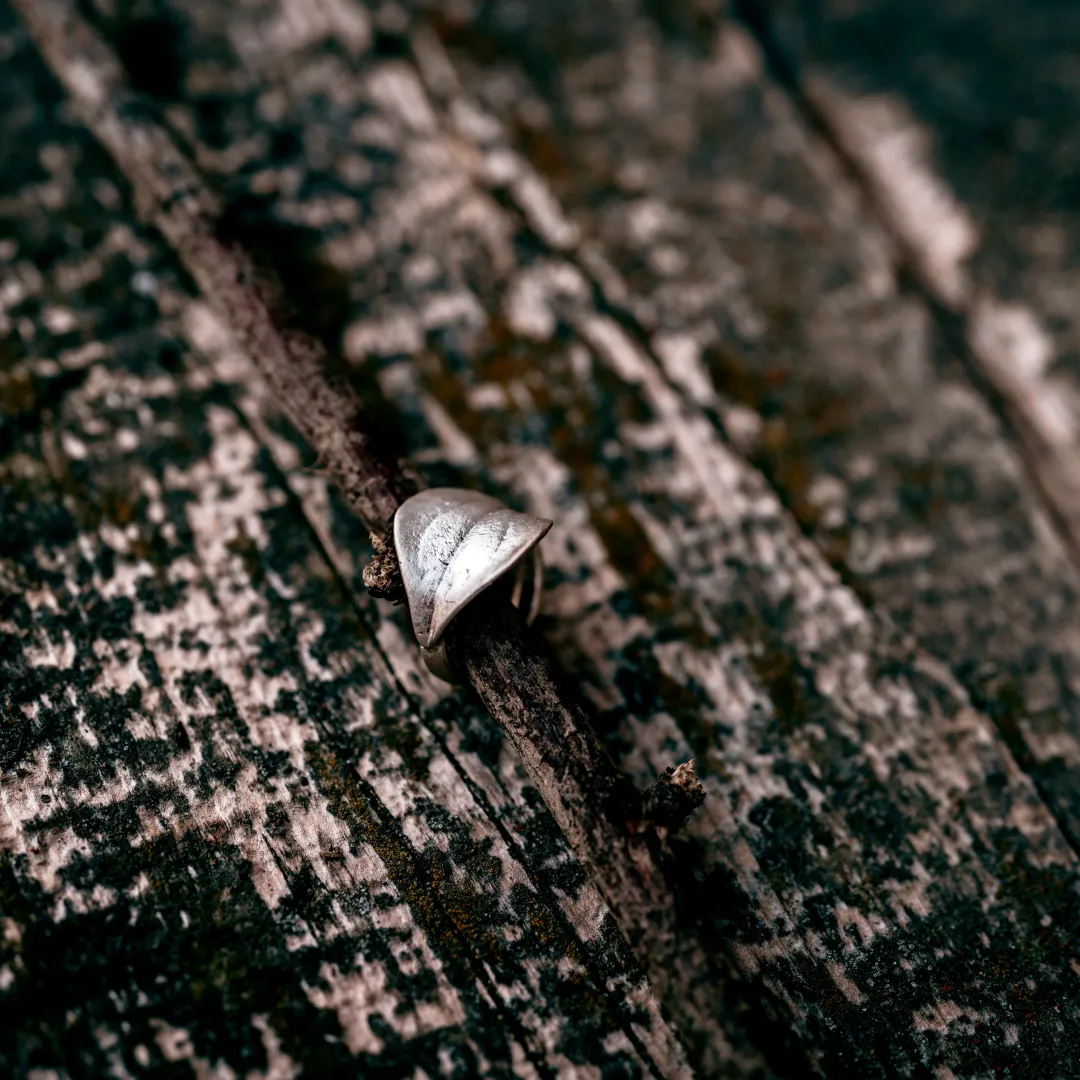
(452, 545)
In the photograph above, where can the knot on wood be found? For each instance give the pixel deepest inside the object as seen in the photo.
(673, 798)
(382, 575)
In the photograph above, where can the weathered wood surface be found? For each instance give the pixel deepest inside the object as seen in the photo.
(601, 265)
(970, 155)
(610, 827)
(211, 860)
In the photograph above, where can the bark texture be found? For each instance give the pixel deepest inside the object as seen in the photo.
(606, 263)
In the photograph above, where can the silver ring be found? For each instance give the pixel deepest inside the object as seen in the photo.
(454, 544)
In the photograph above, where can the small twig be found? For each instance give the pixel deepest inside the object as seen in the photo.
(674, 797)
(382, 575)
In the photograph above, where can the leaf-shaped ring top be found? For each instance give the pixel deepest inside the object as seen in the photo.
(451, 545)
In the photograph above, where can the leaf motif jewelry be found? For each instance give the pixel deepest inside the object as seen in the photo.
(452, 545)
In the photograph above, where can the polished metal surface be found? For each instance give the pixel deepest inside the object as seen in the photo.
(451, 545)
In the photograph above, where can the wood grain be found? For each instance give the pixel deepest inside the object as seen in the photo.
(598, 810)
(223, 811)
(993, 250)
(602, 268)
